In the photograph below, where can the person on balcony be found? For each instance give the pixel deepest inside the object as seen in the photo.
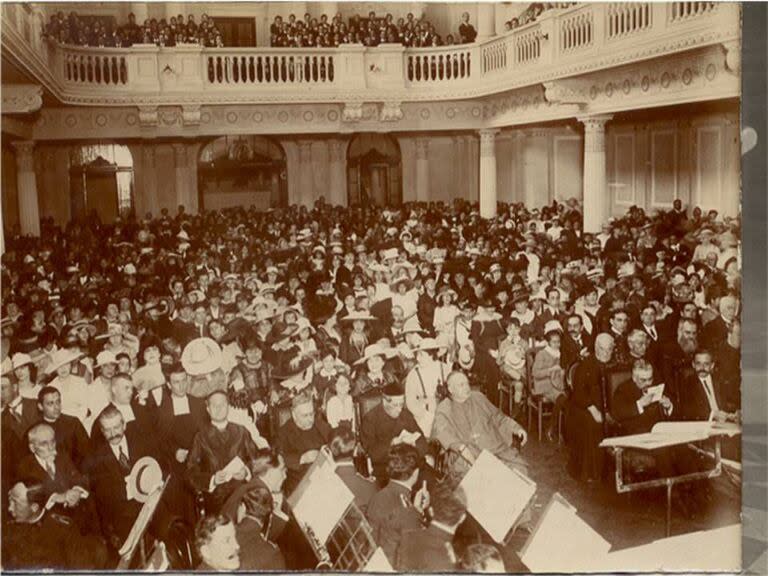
(467, 32)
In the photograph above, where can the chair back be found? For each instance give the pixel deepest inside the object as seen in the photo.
(615, 379)
(530, 358)
(569, 375)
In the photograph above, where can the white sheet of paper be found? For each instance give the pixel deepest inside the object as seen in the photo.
(234, 466)
(496, 494)
(378, 562)
(656, 392)
(324, 502)
(563, 542)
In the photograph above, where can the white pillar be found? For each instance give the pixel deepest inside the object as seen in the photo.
(422, 170)
(337, 181)
(306, 188)
(192, 198)
(596, 198)
(486, 20)
(149, 180)
(488, 173)
(26, 184)
(180, 171)
(141, 11)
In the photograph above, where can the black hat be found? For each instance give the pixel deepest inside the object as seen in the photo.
(393, 389)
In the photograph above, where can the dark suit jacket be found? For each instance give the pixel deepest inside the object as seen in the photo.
(108, 482)
(72, 439)
(569, 349)
(256, 553)
(67, 476)
(714, 334)
(693, 399)
(362, 488)
(391, 515)
(179, 431)
(426, 550)
(625, 412)
(18, 427)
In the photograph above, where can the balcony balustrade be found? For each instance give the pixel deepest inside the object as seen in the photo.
(561, 43)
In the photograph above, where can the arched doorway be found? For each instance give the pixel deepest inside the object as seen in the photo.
(101, 180)
(374, 170)
(242, 171)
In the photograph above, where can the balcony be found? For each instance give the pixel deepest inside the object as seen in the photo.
(562, 43)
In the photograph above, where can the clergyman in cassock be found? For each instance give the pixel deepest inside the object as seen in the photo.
(468, 423)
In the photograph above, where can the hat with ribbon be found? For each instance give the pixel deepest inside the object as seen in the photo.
(60, 358)
(146, 477)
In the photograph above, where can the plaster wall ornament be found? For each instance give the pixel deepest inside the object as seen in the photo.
(391, 112)
(22, 98)
(148, 116)
(352, 112)
(567, 92)
(191, 114)
(733, 56)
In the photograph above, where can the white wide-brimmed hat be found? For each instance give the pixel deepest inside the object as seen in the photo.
(60, 358)
(145, 478)
(201, 356)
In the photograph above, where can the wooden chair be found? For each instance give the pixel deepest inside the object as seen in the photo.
(537, 403)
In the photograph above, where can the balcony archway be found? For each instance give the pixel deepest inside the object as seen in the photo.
(101, 181)
(242, 171)
(374, 171)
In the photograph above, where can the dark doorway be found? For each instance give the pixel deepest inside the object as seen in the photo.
(236, 31)
(374, 171)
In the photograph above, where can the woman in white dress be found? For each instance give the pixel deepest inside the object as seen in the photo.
(445, 315)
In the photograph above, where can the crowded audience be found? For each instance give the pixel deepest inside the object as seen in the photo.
(102, 32)
(233, 347)
(532, 13)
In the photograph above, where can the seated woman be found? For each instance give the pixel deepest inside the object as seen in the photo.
(548, 375)
(340, 409)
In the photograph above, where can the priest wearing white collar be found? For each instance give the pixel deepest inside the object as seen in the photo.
(135, 415)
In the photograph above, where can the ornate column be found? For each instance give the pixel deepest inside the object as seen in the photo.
(337, 181)
(179, 162)
(422, 170)
(306, 189)
(193, 203)
(26, 185)
(488, 173)
(486, 20)
(596, 198)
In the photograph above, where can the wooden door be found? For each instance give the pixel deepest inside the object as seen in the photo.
(101, 195)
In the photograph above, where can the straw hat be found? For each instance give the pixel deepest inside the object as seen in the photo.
(201, 356)
(60, 358)
(370, 352)
(145, 478)
(427, 344)
(552, 326)
(358, 315)
(20, 359)
(105, 357)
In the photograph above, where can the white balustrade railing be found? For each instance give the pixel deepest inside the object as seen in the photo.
(559, 37)
(242, 67)
(439, 64)
(628, 18)
(576, 29)
(682, 11)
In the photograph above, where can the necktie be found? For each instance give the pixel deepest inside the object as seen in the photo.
(49, 468)
(123, 459)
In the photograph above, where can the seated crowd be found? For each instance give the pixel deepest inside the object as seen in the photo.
(370, 31)
(233, 346)
(102, 32)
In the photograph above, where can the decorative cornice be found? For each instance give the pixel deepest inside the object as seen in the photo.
(190, 114)
(22, 98)
(733, 56)
(567, 91)
(148, 116)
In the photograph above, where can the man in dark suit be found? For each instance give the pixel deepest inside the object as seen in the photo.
(576, 342)
(40, 539)
(715, 332)
(342, 446)
(550, 312)
(137, 416)
(701, 395)
(391, 511)
(431, 549)
(71, 437)
(18, 413)
(110, 463)
(256, 552)
(636, 411)
(299, 439)
(213, 448)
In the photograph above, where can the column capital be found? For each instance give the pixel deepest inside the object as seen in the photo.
(422, 147)
(596, 122)
(24, 156)
(336, 149)
(488, 142)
